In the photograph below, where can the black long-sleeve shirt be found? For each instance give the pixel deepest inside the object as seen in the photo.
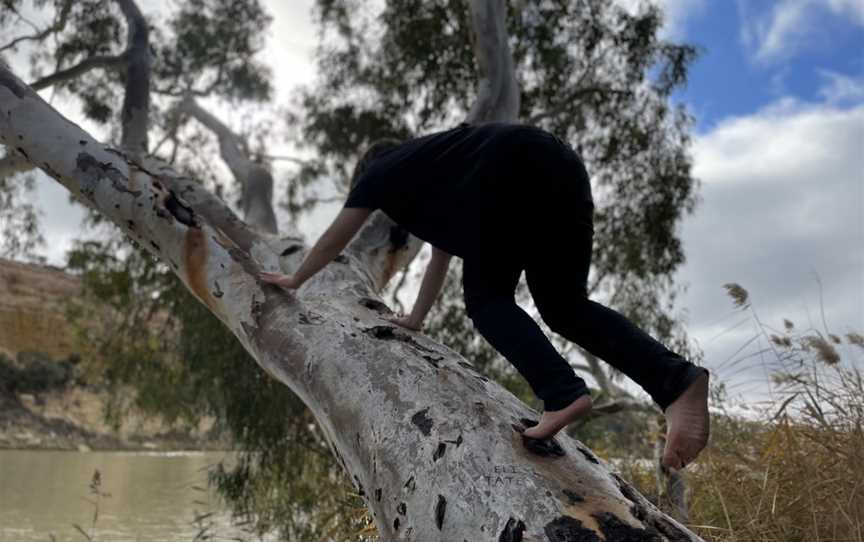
(458, 188)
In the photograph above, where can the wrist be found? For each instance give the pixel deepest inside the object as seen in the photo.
(297, 279)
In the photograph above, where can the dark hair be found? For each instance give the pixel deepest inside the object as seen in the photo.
(376, 149)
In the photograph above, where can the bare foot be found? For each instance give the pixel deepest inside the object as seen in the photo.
(687, 422)
(553, 421)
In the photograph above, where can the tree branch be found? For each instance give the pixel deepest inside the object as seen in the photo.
(497, 87)
(256, 180)
(136, 98)
(101, 61)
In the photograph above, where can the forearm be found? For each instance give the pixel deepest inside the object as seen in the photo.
(433, 279)
(331, 242)
(322, 253)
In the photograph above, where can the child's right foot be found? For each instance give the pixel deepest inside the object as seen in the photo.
(688, 424)
(553, 421)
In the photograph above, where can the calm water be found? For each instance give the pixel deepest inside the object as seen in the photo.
(153, 496)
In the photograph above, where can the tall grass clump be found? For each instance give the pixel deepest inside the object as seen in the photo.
(793, 472)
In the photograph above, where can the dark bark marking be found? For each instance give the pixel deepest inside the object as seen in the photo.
(545, 448)
(433, 360)
(378, 494)
(668, 529)
(218, 292)
(588, 455)
(567, 529)
(155, 246)
(375, 305)
(440, 508)
(573, 496)
(179, 210)
(50, 171)
(401, 508)
(396, 524)
(410, 484)
(131, 224)
(513, 531)
(82, 142)
(95, 171)
(24, 153)
(290, 250)
(310, 319)
(477, 374)
(457, 442)
(257, 307)
(638, 510)
(391, 333)
(341, 258)
(423, 421)
(615, 529)
(439, 451)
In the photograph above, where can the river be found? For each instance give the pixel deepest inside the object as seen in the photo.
(150, 496)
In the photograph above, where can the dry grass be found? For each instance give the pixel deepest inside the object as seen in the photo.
(796, 472)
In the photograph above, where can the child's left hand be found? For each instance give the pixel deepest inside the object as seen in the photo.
(286, 281)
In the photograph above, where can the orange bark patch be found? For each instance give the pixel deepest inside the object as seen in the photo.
(195, 259)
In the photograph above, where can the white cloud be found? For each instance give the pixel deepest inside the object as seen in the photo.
(839, 88)
(791, 25)
(782, 210)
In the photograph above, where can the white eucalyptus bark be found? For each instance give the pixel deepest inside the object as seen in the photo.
(256, 180)
(435, 448)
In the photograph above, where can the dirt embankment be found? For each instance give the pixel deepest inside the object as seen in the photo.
(68, 416)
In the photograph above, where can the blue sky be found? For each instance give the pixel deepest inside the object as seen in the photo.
(778, 98)
(753, 52)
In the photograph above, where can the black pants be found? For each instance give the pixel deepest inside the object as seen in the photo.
(555, 253)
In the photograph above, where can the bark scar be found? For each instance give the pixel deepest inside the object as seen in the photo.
(513, 531)
(195, 260)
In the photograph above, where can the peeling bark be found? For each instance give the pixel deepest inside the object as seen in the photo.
(439, 448)
(256, 180)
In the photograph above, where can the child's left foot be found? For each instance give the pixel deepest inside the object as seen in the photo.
(553, 421)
